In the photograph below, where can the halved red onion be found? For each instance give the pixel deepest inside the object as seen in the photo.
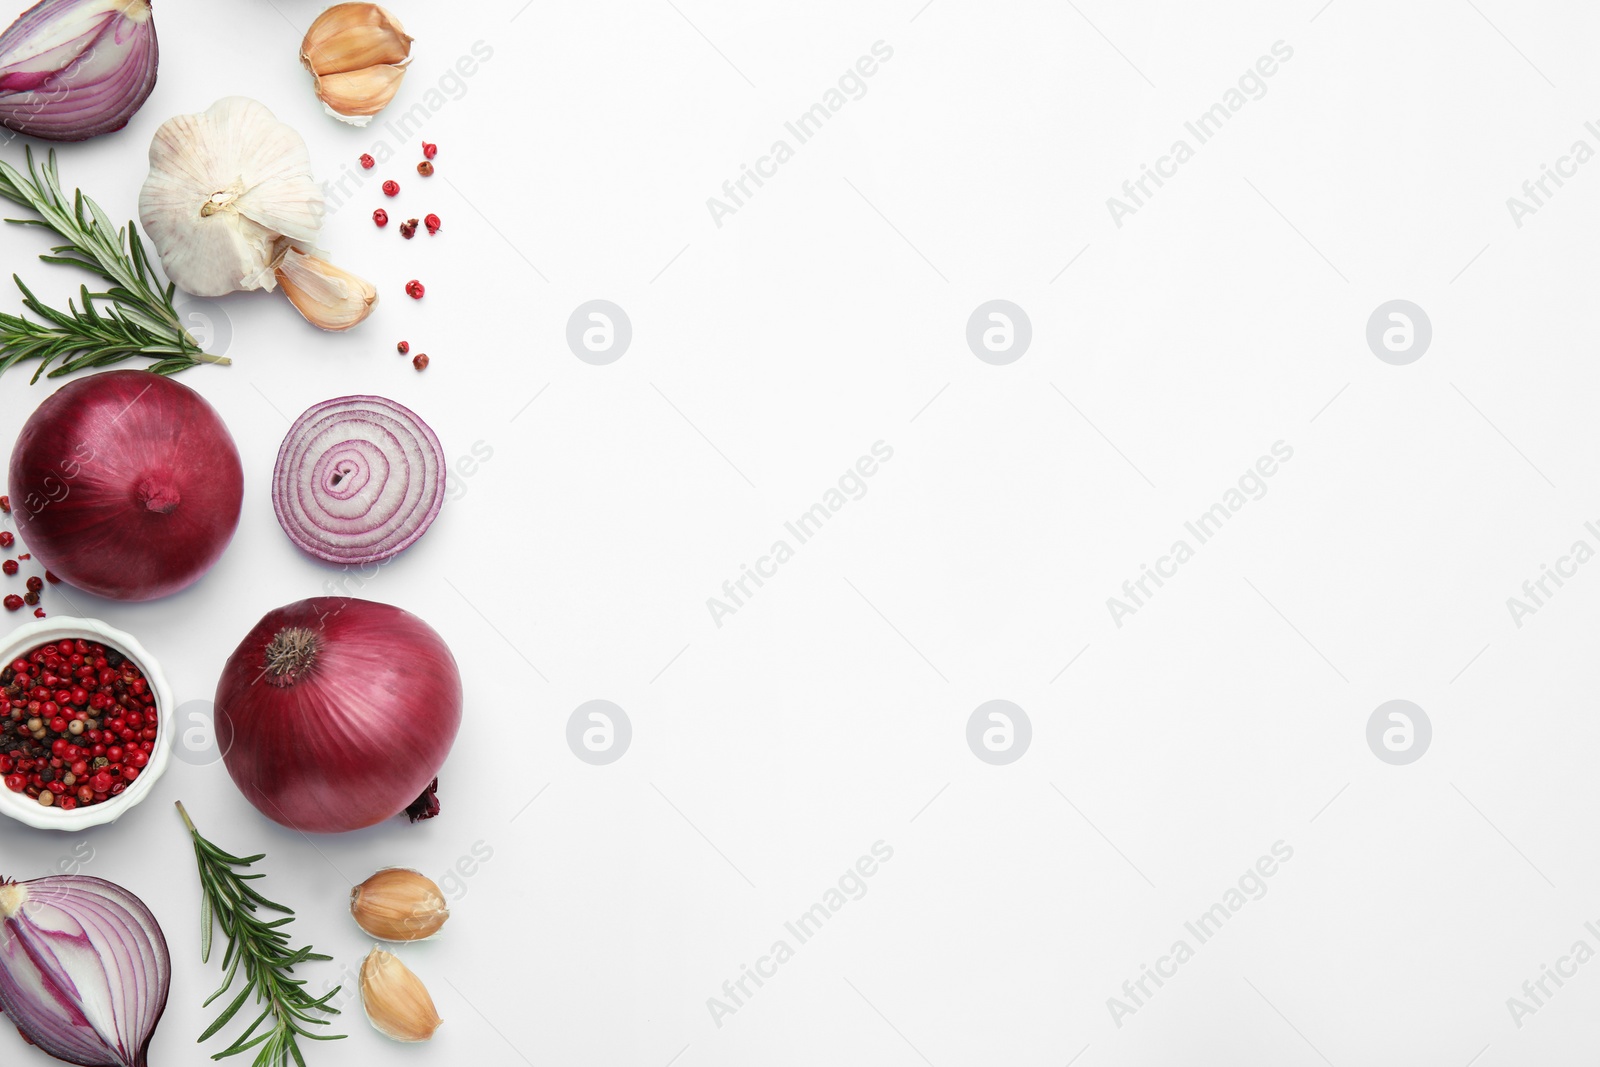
(84, 969)
(73, 69)
(358, 479)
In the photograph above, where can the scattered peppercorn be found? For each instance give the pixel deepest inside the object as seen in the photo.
(425, 169)
(403, 347)
(367, 161)
(10, 566)
(414, 289)
(429, 150)
(35, 583)
(51, 578)
(420, 361)
(31, 598)
(7, 538)
(381, 217)
(408, 229)
(13, 602)
(38, 613)
(391, 188)
(5, 504)
(432, 222)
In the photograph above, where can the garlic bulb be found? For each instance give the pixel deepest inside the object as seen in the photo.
(230, 204)
(357, 54)
(224, 186)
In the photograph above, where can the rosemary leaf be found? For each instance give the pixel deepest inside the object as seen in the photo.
(260, 949)
(134, 318)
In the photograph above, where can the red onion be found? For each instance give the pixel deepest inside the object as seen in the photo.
(84, 970)
(126, 484)
(73, 69)
(336, 713)
(358, 479)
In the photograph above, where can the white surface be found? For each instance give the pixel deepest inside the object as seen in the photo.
(806, 728)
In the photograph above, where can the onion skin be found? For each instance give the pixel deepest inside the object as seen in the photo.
(354, 737)
(74, 69)
(126, 484)
(84, 969)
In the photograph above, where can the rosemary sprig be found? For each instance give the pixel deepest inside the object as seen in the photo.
(261, 948)
(136, 316)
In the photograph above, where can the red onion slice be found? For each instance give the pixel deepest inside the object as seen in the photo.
(84, 969)
(358, 479)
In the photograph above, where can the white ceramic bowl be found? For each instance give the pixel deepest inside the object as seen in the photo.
(25, 639)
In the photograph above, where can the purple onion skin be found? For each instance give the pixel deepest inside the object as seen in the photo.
(91, 85)
(110, 920)
(353, 739)
(126, 484)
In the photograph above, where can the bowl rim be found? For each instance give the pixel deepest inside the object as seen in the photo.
(61, 627)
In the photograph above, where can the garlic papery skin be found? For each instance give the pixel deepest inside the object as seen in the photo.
(74, 69)
(357, 55)
(328, 297)
(225, 185)
(397, 1003)
(399, 904)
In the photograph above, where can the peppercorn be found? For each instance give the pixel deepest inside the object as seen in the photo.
(52, 751)
(420, 361)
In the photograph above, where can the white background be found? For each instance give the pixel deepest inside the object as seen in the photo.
(830, 712)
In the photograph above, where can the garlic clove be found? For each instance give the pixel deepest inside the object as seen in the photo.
(328, 297)
(357, 54)
(357, 95)
(224, 185)
(351, 36)
(397, 1003)
(399, 904)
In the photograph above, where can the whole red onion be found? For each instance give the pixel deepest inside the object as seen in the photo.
(336, 713)
(126, 484)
